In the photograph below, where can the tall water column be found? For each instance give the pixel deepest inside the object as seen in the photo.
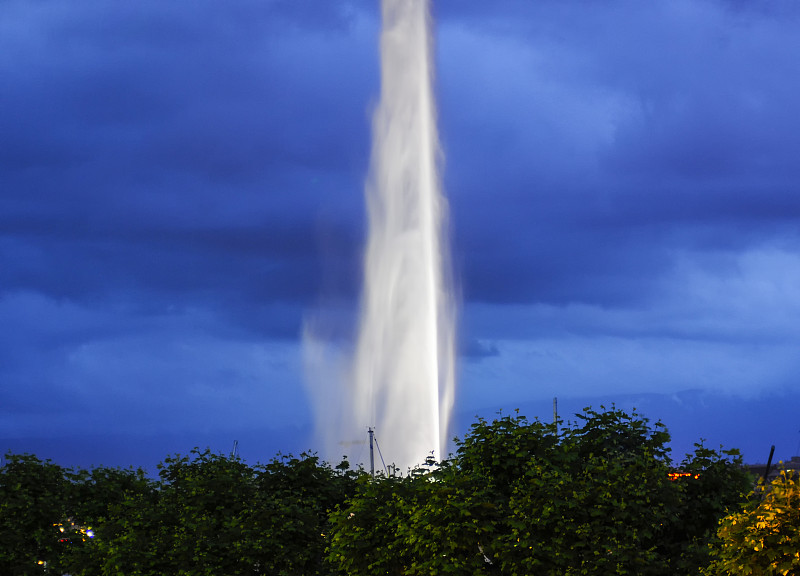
(403, 367)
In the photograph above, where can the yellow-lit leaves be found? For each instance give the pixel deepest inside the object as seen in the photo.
(765, 537)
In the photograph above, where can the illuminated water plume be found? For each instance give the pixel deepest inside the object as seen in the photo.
(401, 381)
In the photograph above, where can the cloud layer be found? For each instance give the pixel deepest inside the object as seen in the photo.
(181, 184)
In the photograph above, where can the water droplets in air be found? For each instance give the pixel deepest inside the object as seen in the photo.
(400, 378)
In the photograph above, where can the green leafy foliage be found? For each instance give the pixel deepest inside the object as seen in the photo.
(711, 483)
(200, 509)
(287, 528)
(764, 538)
(448, 520)
(518, 497)
(98, 501)
(215, 515)
(364, 535)
(205, 514)
(597, 504)
(33, 497)
(521, 497)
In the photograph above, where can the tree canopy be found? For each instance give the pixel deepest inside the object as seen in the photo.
(764, 538)
(600, 495)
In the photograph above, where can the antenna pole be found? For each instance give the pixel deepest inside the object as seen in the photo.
(769, 463)
(555, 413)
(371, 451)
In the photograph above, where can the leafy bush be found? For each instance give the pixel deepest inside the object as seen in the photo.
(765, 537)
(206, 514)
(522, 498)
(33, 493)
(518, 497)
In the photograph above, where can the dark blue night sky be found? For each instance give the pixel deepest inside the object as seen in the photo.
(181, 188)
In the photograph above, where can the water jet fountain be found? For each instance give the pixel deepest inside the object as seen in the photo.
(401, 381)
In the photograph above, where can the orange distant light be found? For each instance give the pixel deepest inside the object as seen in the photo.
(675, 475)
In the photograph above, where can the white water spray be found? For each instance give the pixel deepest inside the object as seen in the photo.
(402, 378)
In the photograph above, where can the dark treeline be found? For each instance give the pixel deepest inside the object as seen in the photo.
(598, 496)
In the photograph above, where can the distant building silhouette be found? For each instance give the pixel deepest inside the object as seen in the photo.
(758, 470)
